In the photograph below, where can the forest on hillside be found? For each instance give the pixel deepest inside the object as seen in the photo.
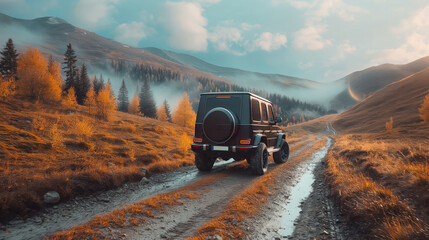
(291, 110)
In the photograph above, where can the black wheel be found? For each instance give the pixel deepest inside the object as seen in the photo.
(259, 160)
(283, 154)
(204, 162)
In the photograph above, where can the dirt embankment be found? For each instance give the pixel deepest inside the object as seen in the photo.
(65, 149)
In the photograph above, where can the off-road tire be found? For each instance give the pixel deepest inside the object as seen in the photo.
(259, 160)
(283, 154)
(204, 162)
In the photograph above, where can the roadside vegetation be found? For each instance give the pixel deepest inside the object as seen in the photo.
(73, 136)
(381, 184)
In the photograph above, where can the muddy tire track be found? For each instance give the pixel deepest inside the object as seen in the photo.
(80, 210)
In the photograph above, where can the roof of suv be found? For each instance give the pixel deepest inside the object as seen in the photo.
(237, 93)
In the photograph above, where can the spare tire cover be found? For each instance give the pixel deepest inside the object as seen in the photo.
(219, 125)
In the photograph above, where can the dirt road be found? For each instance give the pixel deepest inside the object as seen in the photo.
(288, 213)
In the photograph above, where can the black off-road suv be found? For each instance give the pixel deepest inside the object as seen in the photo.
(237, 125)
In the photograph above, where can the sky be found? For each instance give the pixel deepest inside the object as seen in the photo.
(321, 40)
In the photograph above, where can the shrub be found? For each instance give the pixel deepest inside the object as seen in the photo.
(424, 110)
(184, 144)
(7, 87)
(389, 124)
(70, 98)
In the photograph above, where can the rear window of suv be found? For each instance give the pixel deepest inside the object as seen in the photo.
(256, 110)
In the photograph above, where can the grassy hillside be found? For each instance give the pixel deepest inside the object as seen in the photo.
(53, 148)
(399, 100)
(362, 84)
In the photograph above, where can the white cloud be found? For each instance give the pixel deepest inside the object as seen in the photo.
(186, 25)
(310, 38)
(414, 47)
(345, 48)
(414, 31)
(269, 42)
(226, 38)
(94, 14)
(131, 33)
(418, 21)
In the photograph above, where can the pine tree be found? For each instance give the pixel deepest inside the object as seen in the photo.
(70, 68)
(184, 115)
(123, 98)
(90, 100)
(147, 104)
(134, 106)
(8, 61)
(82, 85)
(97, 84)
(167, 111)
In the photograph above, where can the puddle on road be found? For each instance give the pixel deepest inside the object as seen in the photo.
(300, 192)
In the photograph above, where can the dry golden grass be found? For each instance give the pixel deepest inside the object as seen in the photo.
(248, 202)
(381, 184)
(48, 148)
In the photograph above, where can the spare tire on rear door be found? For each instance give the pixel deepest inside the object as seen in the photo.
(219, 125)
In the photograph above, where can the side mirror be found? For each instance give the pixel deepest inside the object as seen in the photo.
(278, 120)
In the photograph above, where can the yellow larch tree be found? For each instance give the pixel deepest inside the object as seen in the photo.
(90, 100)
(162, 113)
(70, 98)
(184, 115)
(424, 110)
(37, 80)
(106, 102)
(134, 106)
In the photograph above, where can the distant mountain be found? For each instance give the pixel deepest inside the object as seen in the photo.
(239, 76)
(400, 100)
(363, 83)
(51, 35)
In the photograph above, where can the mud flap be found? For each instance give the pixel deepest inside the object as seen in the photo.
(280, 136)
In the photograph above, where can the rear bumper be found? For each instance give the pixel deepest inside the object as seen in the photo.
(196, 147)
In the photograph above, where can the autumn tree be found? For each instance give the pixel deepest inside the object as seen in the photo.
(167, 110)
(70, 98)
(70, 67)
(106, 102)
(147, 104)
(424, 110)
(123, 98)
(162, 113)
(82, 85)
(37, 80)
(8, 61)
(90, 100)
(389, 124)
(7, 87)
(134, 106)
(184, 115)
